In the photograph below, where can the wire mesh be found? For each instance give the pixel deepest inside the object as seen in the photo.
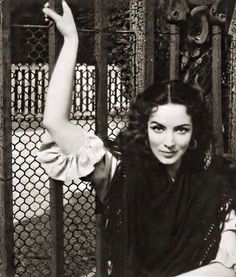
(29, 79)
(79, 209)
(79, 198)
(121, 79)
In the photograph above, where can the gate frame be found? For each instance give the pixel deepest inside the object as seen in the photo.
(6, 188)
(56, 187)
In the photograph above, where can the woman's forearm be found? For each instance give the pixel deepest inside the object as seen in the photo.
(211, 270)
(58, 101)
(59, 95)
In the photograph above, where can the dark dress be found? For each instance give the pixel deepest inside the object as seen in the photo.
(156, 227)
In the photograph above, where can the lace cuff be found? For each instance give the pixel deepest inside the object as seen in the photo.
(74, 166)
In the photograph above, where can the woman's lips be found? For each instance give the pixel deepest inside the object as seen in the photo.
(168, 153)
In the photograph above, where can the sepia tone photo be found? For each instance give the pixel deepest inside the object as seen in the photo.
(118, 138)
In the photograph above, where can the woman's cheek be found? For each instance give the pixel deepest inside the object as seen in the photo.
(183, 140)
(155, 139)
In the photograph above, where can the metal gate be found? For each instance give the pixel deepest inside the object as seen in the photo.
(38, 219)
(49, 228)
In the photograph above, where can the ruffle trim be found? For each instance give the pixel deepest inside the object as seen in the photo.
(74, 166)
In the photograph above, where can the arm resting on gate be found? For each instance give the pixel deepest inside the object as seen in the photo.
(58, 103)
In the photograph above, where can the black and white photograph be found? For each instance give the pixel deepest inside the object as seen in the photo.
(118, 138)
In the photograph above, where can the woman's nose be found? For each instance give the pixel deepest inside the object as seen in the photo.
(169, 140)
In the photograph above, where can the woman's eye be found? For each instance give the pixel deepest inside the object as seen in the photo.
(182, 130)
(157, 128)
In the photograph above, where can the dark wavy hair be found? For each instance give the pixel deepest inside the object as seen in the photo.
(135, 137)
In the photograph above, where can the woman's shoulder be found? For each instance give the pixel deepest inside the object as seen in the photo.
(220, 175)
(221, 167)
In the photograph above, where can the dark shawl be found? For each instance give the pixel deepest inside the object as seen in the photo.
(159, 228)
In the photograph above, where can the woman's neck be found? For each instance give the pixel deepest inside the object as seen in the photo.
(172, 169)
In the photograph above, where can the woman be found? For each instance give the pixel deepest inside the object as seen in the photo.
(178, 218)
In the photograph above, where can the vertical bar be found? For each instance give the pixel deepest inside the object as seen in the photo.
(23, 88)
(142, 23)
(13, 90)
(216, 89)
(101, 115)
(174, 51)
(6, 199)
(232, 92)
(101, 70)
(19, 90)
(38, 104)
(149, 42)
(56, 187)
(57, 238)
(101, 261)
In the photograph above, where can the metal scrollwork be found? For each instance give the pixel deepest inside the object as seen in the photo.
(200, 13)
(195, 17)
(177, 11)
(215, 16)
(201, 2)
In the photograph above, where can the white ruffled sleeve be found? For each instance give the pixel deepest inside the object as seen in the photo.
(74, 166)
(226, 254)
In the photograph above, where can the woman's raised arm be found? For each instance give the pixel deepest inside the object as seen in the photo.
(59, 96)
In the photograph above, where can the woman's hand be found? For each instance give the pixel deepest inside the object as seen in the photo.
(65, 23)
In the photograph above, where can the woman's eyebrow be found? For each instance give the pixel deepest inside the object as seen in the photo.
(183, 125)
(180, 125)
(155, 122)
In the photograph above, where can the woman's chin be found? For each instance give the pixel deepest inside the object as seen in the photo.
(168, 161)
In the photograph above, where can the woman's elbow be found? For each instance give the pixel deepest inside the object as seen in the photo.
(53, 125)
(48, 124)
(231, 273)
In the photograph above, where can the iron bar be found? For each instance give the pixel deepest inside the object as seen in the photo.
(232, 83)
(142, 24)
(216, 89)
(31, 26)
(101, 67)
(101, 266)
(6, 198)
(101, 116)
(57, 236)
(149, 42)
(56, 187)
(174, 51)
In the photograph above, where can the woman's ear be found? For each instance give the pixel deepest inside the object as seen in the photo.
(193, 144)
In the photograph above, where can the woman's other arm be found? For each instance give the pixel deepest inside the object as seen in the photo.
(59, 96)
(223, 264)
(211, 270)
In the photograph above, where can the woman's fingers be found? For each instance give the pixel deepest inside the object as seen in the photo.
(64, 23)
(65, 7)
(46, 5)
(50, 13)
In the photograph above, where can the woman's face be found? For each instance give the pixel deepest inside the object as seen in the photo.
(169, 132)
